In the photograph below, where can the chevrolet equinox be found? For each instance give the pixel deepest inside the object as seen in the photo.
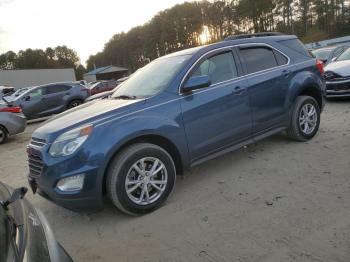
(176, 112)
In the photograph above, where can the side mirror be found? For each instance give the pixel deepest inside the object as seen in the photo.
(334, 59)
(27, 98)
(196, 82)
(324, 61)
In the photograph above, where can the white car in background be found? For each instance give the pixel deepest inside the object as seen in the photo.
(337, 75)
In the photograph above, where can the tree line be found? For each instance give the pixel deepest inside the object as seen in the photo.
(183, 25)
(193, 23)
(58, 57)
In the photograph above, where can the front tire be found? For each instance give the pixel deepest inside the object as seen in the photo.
(305, 119)
(3, 135)
(140, 178)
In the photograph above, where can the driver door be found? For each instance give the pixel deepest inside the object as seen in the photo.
(218, 116)
(32, 103)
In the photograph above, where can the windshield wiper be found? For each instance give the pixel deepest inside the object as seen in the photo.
(16, 223)
(126, 97)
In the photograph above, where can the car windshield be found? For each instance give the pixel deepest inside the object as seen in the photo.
(94, 85)
(344, 56)
(20, 91)
(151, 79)
(322, 54)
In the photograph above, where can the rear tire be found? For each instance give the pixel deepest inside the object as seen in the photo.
(3, 135)
(74, 103)
(140, 178)
(305, 119)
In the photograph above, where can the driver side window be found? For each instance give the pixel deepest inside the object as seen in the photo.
(36, 93)
(219, 68)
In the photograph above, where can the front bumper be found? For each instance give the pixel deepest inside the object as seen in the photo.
(339, 88)
(44, 174)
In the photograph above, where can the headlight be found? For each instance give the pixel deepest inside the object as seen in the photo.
(67, 143)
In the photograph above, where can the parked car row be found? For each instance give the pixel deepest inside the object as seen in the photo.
(41, 101)
(105, 94)
(337, 70)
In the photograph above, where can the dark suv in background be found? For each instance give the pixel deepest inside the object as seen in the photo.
(49, 99)
(175, 113)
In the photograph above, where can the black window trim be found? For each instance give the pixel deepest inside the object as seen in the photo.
(238, 63)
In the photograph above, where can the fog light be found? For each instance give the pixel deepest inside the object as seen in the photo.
(72, 183)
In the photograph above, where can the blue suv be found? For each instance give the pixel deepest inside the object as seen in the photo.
(176, 112)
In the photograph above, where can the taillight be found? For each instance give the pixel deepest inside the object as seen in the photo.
(320, 66)
(15, 109)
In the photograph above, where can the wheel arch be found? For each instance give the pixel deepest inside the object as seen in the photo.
(155, 139)
(312, 91)
(4, 127)
(306, 83)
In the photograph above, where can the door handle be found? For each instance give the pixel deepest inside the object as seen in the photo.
(238, 91)
(286, 72)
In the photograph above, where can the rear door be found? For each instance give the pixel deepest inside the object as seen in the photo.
(54, 97)
(219, 115)
(268, 75)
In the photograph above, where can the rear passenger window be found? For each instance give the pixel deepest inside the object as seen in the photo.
(258, 58)
(219, 68)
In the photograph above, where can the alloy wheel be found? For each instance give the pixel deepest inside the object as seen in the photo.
(146, 181)
(75, 104)
(308, 119)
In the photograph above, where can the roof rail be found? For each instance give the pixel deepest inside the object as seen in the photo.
(235, 37)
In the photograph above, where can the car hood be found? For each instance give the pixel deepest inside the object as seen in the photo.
(341, 68)
(100, 95)
(92, 112)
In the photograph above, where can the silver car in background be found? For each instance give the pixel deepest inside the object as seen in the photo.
(46, 100)
(337, 75)
(12, 121)
(328, 54)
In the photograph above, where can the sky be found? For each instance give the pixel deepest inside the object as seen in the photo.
(83, 25)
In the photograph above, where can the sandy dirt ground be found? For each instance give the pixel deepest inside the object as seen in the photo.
(276, 200)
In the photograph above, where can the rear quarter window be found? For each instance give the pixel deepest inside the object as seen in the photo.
(281, 59)
(296, 45)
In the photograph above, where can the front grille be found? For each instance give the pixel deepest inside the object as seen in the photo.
(339, 87)
(36, 165)
(37, 142)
